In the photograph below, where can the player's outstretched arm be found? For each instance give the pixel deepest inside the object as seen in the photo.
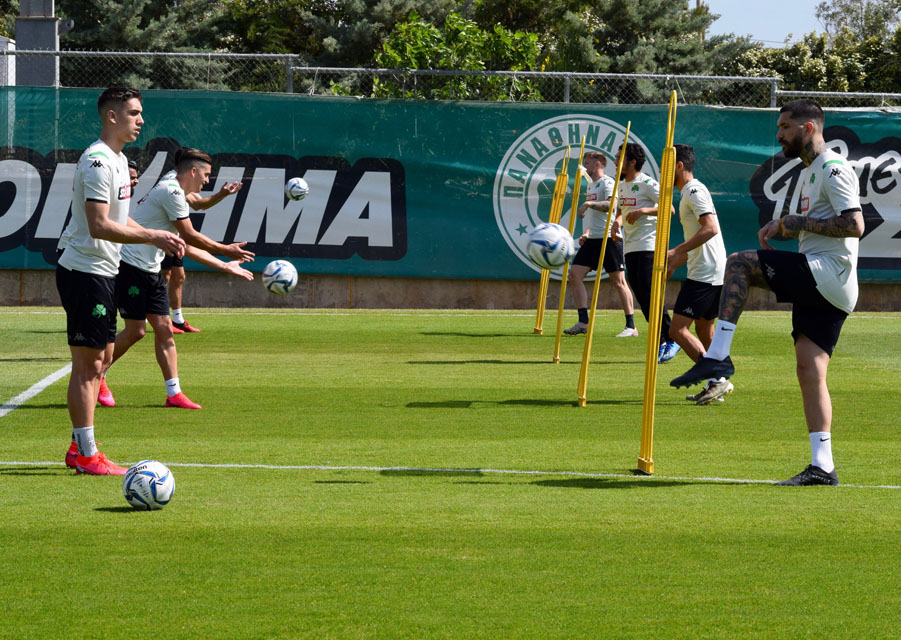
(205, 257)
(193, 237)
(848, 224)
(201, 203)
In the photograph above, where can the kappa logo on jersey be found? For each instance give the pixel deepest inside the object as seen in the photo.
(352, 210)
(524, 182)
(693, 191)
(776, 190)
(96, 164)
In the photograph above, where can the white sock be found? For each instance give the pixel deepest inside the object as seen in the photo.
(177, 316)
(722, 340)
(84, 439)
(821, 450)
(172, 387)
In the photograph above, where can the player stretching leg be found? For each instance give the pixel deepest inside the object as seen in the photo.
(820, 281)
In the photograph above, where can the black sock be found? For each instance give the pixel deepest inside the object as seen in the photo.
(583, 315)
(630, 320)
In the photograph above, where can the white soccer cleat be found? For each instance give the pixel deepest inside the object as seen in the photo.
(715, 390)
(627, 333)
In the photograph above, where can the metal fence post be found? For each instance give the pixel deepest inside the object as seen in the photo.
(289, 74)
(566, 82)
(774, 87)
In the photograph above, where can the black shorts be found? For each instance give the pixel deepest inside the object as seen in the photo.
(89, 301)
(698, 300)
(139, 293)
(790, 278)
(590, 253)
(171, 261)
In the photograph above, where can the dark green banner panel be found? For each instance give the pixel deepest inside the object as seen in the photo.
(418, 189)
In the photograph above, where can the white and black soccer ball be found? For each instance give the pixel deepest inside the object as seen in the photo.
(550, 245)
(279, 277)
(297, 189)
(148, 485)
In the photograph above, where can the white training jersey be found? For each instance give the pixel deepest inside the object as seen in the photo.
(829, 187)
(706, 263)
(595, 221)
(161, 206)
(643, 191)
(101, 175)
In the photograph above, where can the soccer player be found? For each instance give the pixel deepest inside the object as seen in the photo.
(699, 297)
(637, 216)
(173, 267)
(820, 281)
(594, 211)
(86, 271)
(140, 290)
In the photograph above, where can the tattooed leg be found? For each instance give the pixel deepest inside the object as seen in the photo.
(743, 271)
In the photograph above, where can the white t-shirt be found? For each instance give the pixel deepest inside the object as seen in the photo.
(157, 210)
(101, 175)
(829, 187)
(643, 191)
(595, 220)
(706, 263)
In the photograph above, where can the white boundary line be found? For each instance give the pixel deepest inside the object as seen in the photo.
(13, 403)
(509, 472)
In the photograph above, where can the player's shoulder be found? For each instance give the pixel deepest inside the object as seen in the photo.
(832, 165)
(98, 156)
(695, 189)
(647, 180)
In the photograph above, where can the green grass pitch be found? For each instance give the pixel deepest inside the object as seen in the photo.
(408, 474)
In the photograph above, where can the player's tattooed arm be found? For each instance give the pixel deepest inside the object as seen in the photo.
(743, 271)
(849, 224)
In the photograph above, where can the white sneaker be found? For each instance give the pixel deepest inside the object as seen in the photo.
(715, 391)
(576, 329)
(694, 397)
(627, 333)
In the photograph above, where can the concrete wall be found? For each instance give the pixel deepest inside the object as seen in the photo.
(209, 289)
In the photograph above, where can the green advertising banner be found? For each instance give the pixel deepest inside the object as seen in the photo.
(415, 188)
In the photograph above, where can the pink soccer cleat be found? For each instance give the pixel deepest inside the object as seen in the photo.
(98, 465)
(181, 401)
(71, 455)
(184, 327)
(105, 396)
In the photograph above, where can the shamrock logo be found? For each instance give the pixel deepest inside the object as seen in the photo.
(133, 291)
(99, 311)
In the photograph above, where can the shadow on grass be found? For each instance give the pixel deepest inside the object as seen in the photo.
(341, 482)
(118, 510)
(39, 406)
(525, 402)
(44, 331)
(464, 334)
(437, 473)
(610, 483)
(48, 359)
(34, 471)
(548, 361)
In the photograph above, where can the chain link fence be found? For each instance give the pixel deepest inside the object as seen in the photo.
(282, 73)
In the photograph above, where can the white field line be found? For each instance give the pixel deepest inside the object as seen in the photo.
(426, 470)
(13, 403)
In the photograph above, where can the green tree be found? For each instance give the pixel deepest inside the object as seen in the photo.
(864, 18)
(9, 9)
(459, 45)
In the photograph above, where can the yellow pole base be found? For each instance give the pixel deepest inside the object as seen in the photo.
(646, 466)
(582, 402)
(537, 330)
(556, 359)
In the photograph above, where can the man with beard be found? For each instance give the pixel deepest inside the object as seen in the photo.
(820, 281)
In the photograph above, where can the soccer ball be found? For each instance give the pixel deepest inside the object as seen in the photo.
(297, 189)
(148, 485)
(279, 277)
(550, 245)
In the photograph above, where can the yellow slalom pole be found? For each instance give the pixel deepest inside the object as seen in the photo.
(592, 309)
(573, 212)
(556, 210)
(658, 290)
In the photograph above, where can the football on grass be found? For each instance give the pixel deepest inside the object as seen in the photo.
(148, 485)
(550, 245)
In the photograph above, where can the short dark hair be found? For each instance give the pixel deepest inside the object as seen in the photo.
(635, 152)
(685, 153)
(132, 165)
(115, 96)
(596, 155)
(186, 157)
(804, 109)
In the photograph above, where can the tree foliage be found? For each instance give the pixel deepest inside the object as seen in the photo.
(863, 18)
(459, 45)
